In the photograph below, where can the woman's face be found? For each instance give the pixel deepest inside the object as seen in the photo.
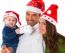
(42, 26)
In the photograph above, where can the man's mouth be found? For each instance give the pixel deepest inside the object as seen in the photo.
(30, 21)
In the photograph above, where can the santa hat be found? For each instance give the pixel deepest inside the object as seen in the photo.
(51, 14)
(14, 14)
(36, 6)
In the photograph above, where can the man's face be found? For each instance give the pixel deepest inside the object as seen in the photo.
(32, 18)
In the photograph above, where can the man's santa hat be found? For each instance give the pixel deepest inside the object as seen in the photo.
(51, 14)
(14, 14)
(36, 6)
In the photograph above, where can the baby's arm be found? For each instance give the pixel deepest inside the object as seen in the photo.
(8, 34)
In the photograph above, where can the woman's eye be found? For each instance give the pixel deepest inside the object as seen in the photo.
(44, 23)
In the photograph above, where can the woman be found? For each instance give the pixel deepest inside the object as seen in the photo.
(55, 43)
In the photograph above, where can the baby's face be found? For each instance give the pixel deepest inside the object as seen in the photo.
(10, 21)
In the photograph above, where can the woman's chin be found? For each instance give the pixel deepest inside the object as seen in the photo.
(43, 35)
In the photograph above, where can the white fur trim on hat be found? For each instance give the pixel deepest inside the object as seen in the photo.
(10, 14)
(51, 20)
(33, 9)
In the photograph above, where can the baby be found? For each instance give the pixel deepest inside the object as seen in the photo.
(10, 31)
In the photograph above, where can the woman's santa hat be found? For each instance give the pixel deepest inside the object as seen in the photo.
(14, 14)
(51, 14)
(36, 6)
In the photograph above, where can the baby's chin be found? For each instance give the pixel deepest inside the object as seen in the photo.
(11, 26)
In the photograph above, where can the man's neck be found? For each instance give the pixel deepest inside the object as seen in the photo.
(35, 26)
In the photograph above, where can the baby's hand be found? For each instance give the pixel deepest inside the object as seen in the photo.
(17, 31)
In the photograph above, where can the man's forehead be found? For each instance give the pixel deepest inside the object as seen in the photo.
(30, 12)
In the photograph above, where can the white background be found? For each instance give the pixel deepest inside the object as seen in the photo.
(19, 7)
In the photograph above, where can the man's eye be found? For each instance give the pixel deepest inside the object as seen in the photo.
(34, 14)
(27, 13)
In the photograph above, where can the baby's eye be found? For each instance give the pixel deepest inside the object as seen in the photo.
(9, 20)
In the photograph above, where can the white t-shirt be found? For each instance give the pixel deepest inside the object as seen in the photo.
(31, 43)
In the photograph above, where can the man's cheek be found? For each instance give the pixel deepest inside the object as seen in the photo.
(34, 18)
(26, 18)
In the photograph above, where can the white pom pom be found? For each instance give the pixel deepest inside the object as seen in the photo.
(49, 12)
(26, 29)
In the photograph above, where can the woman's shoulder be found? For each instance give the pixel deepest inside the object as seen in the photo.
(61, 43)
(60, 38)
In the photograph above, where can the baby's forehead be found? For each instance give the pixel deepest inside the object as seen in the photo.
(11, 17)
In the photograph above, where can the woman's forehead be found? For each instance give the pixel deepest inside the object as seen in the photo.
(42, 20)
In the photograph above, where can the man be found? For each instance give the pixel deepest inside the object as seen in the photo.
(34, 10)
(32, 43)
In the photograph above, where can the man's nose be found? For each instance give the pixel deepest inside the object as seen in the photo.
(31, 18)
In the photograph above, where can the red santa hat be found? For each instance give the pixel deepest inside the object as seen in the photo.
(51, 14)
(14, 14)
(36, 6)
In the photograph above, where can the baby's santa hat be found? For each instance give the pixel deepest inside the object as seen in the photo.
(36, 6)
(51, 14)
(14, 14)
